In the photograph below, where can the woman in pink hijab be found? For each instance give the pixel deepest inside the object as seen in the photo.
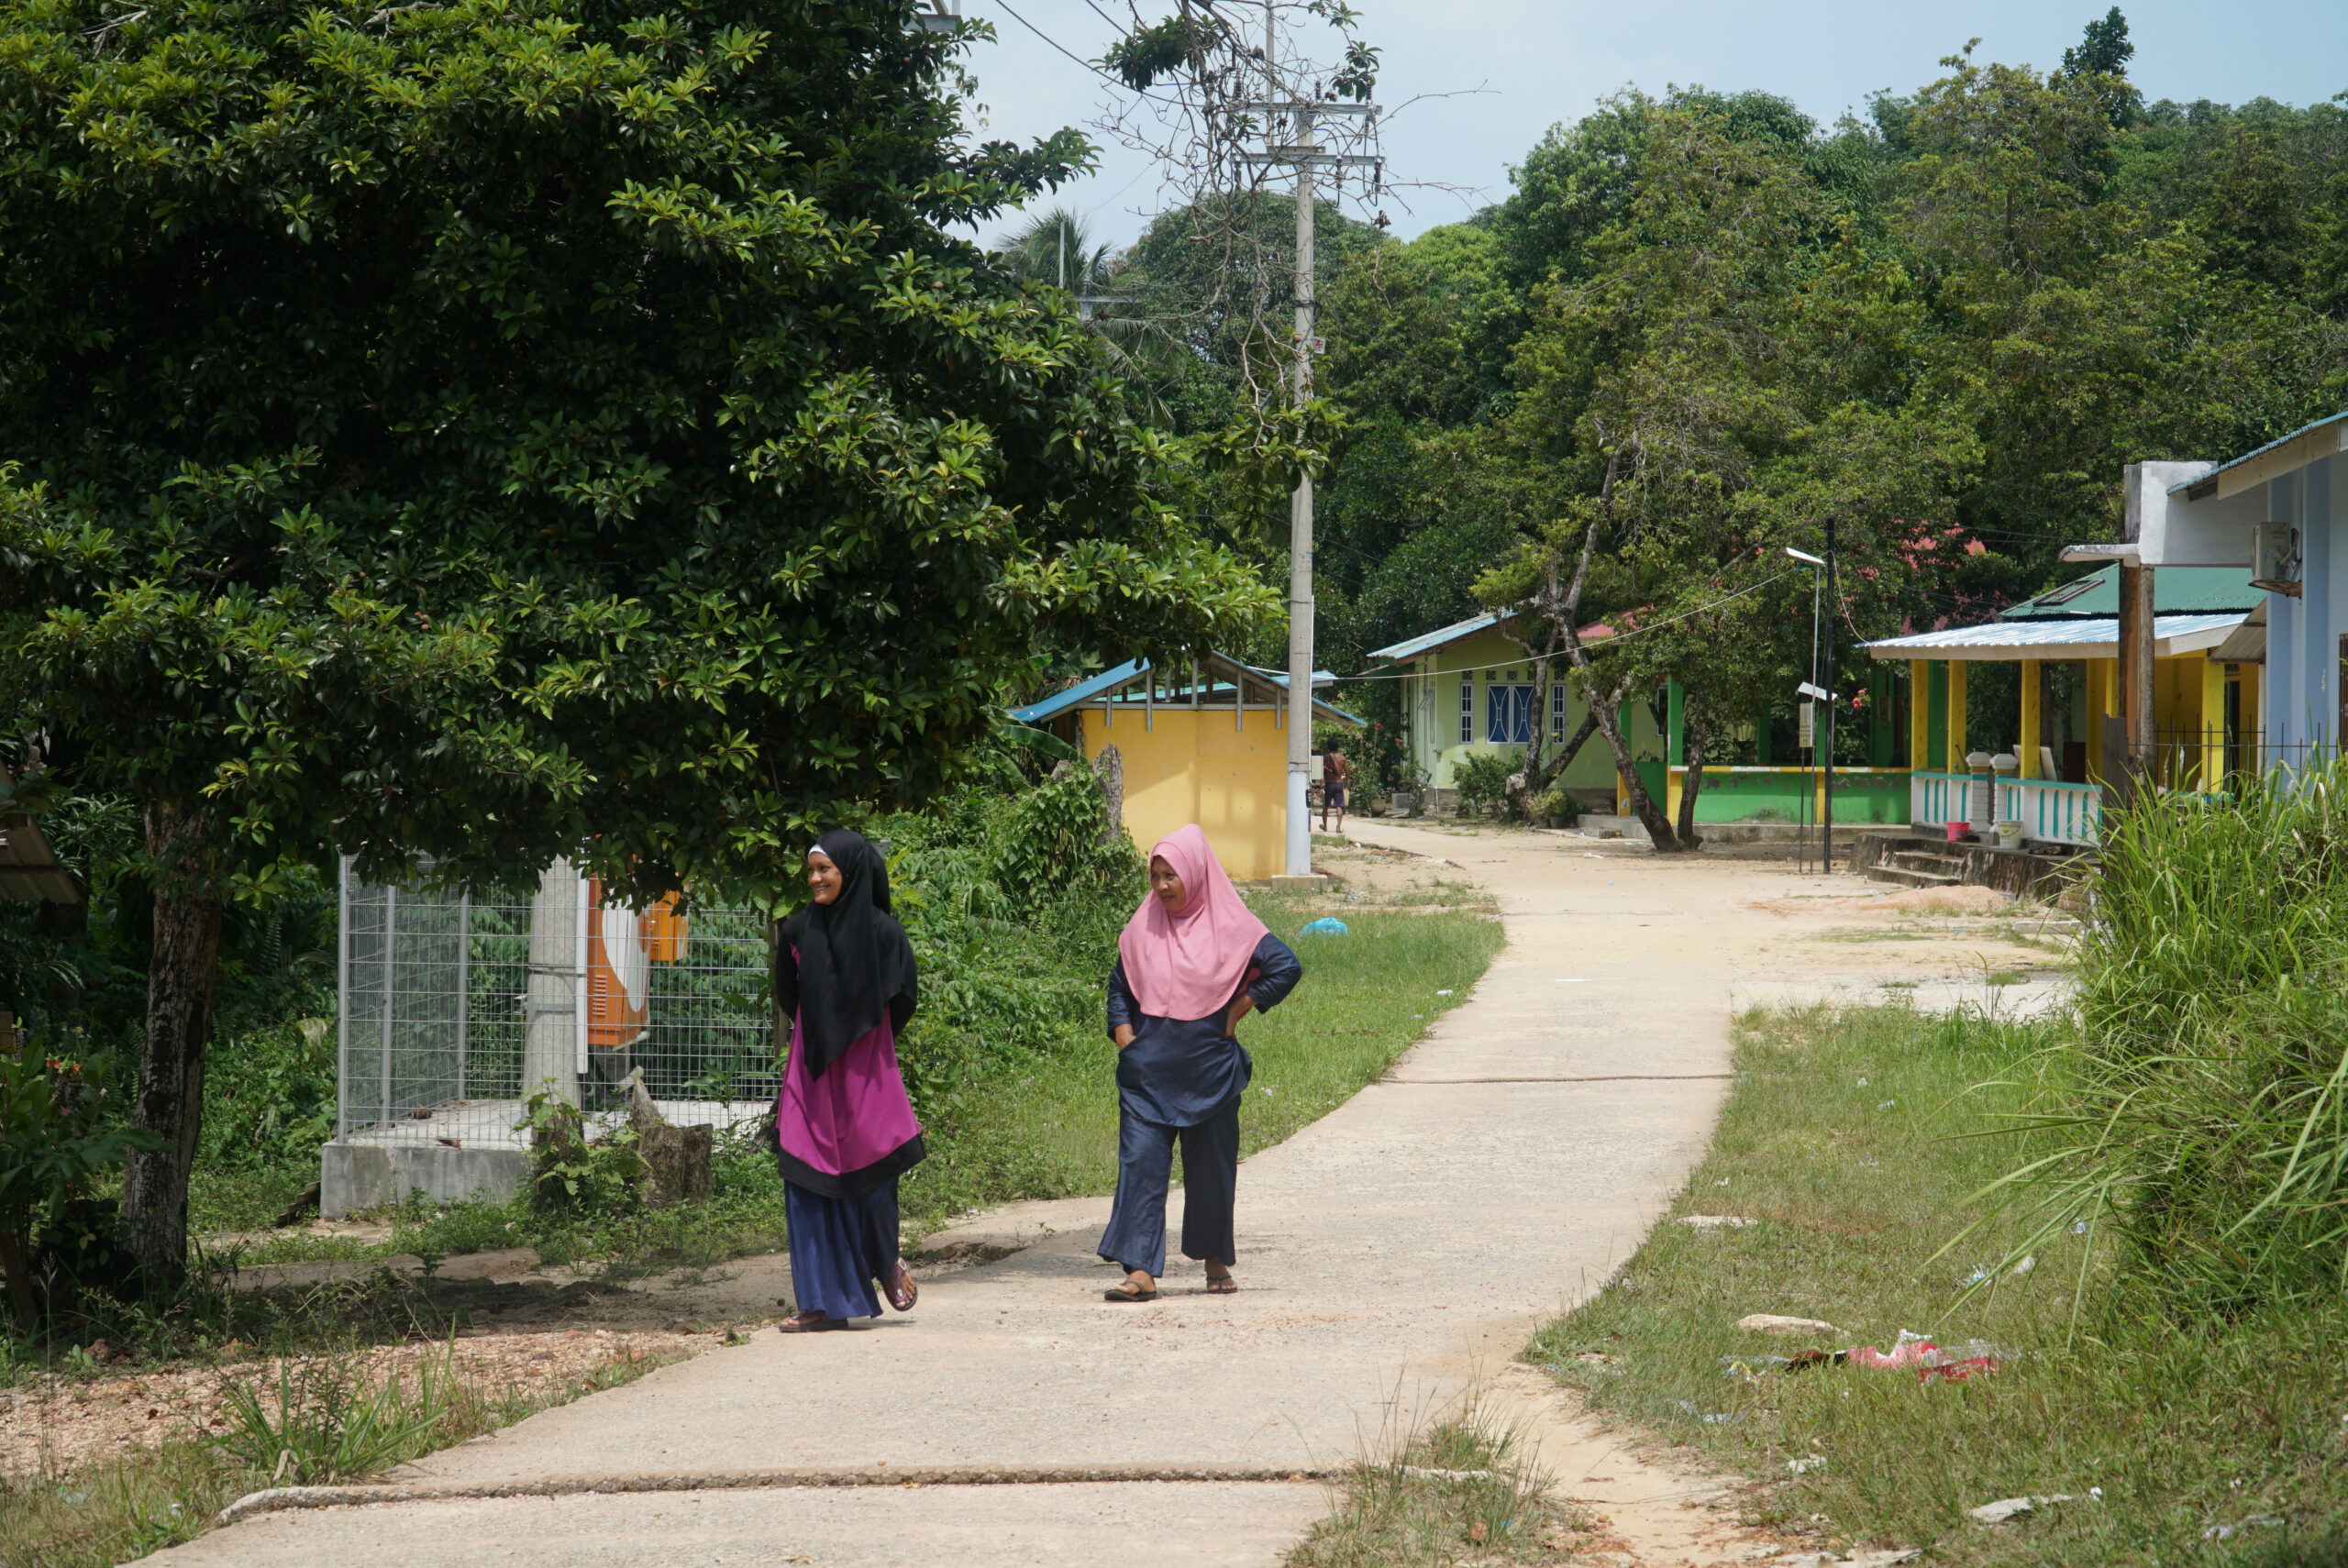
(1192, 963)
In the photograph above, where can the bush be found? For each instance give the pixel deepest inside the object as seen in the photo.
(2205, 1113)
(1482, 782)
(1556, 802)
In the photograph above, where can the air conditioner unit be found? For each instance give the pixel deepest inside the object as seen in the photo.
(2274, 558)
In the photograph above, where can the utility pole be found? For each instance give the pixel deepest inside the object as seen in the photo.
(1296, 115)
(1300, 521)
(1826, 802)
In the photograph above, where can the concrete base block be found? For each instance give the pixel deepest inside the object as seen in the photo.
(1312, 884)
(354, 1176)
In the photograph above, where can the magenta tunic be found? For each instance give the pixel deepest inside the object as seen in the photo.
(853, 1128)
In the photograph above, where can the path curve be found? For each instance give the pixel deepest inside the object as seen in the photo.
(1391, 1254)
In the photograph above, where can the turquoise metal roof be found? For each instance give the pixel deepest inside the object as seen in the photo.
(1427, 642)
(2176, 590)
(1102, 688)
(2258, 452)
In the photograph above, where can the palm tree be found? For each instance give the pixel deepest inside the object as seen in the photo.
(1055, 247)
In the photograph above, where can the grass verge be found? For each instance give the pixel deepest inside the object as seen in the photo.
(1851, 1143)
(1050, 1129)
(323, 1419)
(1456, 1493)
(1044, 1126)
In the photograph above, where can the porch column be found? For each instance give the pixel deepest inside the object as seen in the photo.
(1883, 723)
(1919, 714)
(2213, 724)
(2028, 755)
(1955, 752)
(2135, 660)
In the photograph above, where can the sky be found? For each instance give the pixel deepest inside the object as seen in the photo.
(1516, 67)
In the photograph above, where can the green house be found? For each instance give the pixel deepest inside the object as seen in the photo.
(1469, 689)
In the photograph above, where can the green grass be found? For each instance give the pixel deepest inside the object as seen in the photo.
(1045, 1126)
(2190, 1427)
(1051, 1130)
(160, 1497)
(1457, 1493)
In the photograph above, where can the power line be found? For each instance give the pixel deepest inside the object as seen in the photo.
(1079, 59)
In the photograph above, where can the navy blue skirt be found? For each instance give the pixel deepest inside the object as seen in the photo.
(839, 1246)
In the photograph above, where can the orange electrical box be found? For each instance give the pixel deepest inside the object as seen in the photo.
(622, 946)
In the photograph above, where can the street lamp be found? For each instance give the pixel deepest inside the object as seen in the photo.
(1822, 568)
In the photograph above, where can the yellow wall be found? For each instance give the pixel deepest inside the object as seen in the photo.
(1187, 765)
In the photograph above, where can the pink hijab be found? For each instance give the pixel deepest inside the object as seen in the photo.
(1189, 966)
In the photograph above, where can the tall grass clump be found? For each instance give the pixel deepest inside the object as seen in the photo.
(2205, 1118)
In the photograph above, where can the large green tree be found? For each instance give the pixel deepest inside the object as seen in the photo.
(503, 427)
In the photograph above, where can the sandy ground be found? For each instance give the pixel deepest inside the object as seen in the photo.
(1394, 1258)
(50, 1428)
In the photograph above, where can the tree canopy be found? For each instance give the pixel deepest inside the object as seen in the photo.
(499, 429)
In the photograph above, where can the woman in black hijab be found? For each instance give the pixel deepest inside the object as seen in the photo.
(844, 974)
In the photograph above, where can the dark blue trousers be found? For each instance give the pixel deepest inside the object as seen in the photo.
(1136, 1238)
(839, 1246)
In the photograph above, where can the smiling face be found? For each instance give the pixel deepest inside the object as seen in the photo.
(823, 876)
(1166, 885)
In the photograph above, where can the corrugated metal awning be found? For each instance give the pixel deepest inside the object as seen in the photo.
(2097, 637)
(2247, 644)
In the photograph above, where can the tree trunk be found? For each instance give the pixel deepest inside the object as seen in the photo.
(1691, 780)
(1573, 747)
(183, 969)
(1608, 711)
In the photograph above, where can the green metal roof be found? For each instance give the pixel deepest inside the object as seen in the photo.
(2176, 590)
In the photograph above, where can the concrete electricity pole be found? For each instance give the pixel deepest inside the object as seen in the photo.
(1296, 115)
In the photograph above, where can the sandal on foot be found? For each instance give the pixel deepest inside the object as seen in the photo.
(911, 1292)
(1127, 1293)
(816, 1325)
(1221, 1285)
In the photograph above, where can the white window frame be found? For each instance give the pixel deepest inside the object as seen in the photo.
(1557, 711)
(1467, 708)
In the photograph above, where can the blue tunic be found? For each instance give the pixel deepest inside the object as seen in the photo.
(1183, 1072)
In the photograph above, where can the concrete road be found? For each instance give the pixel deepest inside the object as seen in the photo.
(1389, 1253)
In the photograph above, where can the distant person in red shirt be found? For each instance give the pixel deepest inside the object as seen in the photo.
(1334, 771)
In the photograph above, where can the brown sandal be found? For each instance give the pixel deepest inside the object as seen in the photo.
(817, 1324)
(911, 1292)
(1127, 1293)
(1221, 1285)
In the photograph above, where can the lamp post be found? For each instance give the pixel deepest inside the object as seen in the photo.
(1821, 569)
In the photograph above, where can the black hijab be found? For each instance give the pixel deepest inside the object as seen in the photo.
(854, 966)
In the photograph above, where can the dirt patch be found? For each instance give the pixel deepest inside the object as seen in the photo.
(54, 1427)
(1963, 899)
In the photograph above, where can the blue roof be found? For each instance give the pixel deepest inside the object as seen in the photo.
(1428, 641)
(1100, 688)
(2259, 452)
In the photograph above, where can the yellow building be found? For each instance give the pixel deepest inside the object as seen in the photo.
(1205, 745)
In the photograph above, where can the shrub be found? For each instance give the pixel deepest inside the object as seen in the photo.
(2204, 1113)
(1556, 802)
(1482, 782)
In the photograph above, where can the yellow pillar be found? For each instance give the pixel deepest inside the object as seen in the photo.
(1919, 713)
(2028, 756)
(2213, 724)
(1957, 715)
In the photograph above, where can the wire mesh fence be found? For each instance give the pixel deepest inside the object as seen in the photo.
(456, 1010)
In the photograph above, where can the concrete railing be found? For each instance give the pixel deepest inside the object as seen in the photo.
(2057, 813)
